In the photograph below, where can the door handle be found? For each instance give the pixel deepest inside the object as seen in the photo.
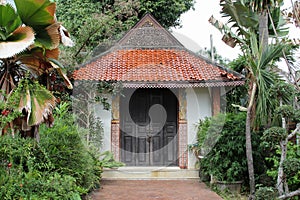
(149, 138)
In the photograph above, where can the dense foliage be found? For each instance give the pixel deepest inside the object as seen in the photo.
(226, 159)
(26, 172)
(291, 166)
(59, 167)
(99, 23)
(252, 24)
(30, 40)
(221, 142)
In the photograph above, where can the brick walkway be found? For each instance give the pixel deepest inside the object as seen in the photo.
(154, 189)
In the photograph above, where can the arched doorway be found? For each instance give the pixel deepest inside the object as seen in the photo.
(149, 126)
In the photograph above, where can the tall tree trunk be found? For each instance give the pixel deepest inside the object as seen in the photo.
(281, 180)
(263, 42)
(282, 186)
(263, 29)
(252, 92)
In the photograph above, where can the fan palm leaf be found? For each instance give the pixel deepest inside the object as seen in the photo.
(42, 103)
(36, 13)
(35, 101)
(39, 63)
(18, 41)
(29, 40)
(14, 38)
(36, 60)
(9, 21)
(39, 15)
(59, 68)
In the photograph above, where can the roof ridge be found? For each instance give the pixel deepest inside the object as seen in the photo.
(148, 32)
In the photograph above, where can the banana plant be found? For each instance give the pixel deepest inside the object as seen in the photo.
(244, 17)
(29, 39)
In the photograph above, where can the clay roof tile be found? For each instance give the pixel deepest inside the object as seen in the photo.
(149, 53)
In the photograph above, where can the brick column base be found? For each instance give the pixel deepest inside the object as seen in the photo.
(183, 153)
(115, 139)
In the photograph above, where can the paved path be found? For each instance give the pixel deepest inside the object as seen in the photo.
(154, 190)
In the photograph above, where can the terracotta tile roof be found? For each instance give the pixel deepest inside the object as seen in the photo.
(148, 53)
(152, 65)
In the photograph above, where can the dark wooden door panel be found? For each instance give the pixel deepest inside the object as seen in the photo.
(142, 151)
(128, 147)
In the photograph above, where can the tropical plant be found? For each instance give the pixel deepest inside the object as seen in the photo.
(108, 161)
(251, 18)
(260, 80)
(35, 102)
(30, 36)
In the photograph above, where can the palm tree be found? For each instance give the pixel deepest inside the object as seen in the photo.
(250, 19)
(29, 40)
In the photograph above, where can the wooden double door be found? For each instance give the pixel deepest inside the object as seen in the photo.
(149, 127)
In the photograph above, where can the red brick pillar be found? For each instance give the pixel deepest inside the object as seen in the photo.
(115, 139)
(182, 130)
(216, 100)
(115, 127)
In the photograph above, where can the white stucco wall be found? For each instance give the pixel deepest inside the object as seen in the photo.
(198, 107)
(105, 116)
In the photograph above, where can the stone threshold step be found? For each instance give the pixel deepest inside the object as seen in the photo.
(146, 169)
(166, 173)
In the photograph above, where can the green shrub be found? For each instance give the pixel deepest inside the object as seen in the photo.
(226, 159)
(108, 160)
(69, 154)
(266, 193)
(37, 185)
(60, 166)
(26, 172)
(209, 131)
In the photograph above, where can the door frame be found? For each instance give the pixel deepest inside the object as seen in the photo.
(182, 132)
